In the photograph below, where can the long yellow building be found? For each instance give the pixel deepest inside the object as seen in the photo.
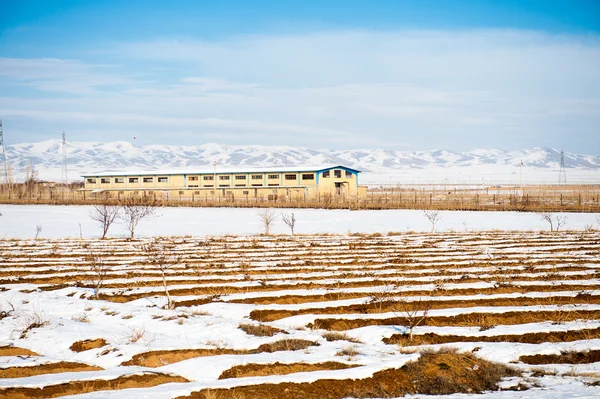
(269, 183)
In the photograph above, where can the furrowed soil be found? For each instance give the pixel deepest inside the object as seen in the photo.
(251, 310)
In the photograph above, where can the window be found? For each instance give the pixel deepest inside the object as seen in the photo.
(119, 180)
(223, 185)
(133, 180)
(240, 185)
(224, 177)
(163, 179)
(192, 178)
(257, 185)
(208, 177)
(91, 181)
(290, 177)
(105, 180)
(326, 174)
(245, 192)
(148, 179)
(308, 176)
(240, 177)
(192, 185)
(256, 177)
(273, 176)
(208, 185)
(181, 193)
(196, 192)
(273, 185)
(348, 174)
(337, 173)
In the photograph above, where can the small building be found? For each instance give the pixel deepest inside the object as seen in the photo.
(266, 183)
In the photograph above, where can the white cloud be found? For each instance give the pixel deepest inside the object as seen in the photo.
(457, 90)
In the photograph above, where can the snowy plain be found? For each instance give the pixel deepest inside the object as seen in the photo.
(20, 221)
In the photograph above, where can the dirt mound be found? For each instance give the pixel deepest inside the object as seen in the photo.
(78, 387)
(86, 345)
(254, 370)
(14, 351)
(591, 356)
(49, 368)
(434, 373)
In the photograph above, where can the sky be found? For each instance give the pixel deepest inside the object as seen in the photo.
(337, 74)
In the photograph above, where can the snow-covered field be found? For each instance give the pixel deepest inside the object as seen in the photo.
(508, 296)
(20, 221)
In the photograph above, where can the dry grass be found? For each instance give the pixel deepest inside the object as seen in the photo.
(260, 330)
(339, 336)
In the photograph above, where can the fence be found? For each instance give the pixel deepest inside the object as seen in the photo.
(581, 198)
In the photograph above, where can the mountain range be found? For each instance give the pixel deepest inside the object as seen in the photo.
(86, 157)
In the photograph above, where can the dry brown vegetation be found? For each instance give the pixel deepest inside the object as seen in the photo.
(48, 368)
(86, 345)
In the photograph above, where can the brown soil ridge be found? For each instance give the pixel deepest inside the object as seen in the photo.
(572, 357)
(86, 345)
(527, 338)
(256, 370)
(148, 379)
(15, 351)
(48, 368)
(164, 357)
(391, 306)
(487, 320)
(432, 374)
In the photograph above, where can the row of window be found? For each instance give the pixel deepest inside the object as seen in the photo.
(165, 179)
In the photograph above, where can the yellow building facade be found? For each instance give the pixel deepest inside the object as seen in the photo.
(271, 184)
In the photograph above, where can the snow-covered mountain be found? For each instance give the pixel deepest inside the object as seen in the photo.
(84, 157)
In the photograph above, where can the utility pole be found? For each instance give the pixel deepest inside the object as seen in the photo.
(521, 176)
(562, 175)
(3, 154)
(64, 159)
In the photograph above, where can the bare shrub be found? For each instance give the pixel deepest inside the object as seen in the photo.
(260, 330)
(338, 336)
(160, 255)
(267, 217)
(289, 220)
(348, 351)
(413, 313)
(135, 334)
(7, 313)
(433, 217)
(105, 215)
(555, 221)
(31, 321)
(38, 230)
(100, 270)
(133, 211)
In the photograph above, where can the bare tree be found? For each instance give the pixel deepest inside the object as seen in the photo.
(267, 217)
(160, 255)
(433, 217)
(105, 215)
(413, 313)
(38, 230)
(100, 270)
(133, 211)
(289, 220)
(555, 221)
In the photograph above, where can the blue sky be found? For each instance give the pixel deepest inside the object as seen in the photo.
(398, 74)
